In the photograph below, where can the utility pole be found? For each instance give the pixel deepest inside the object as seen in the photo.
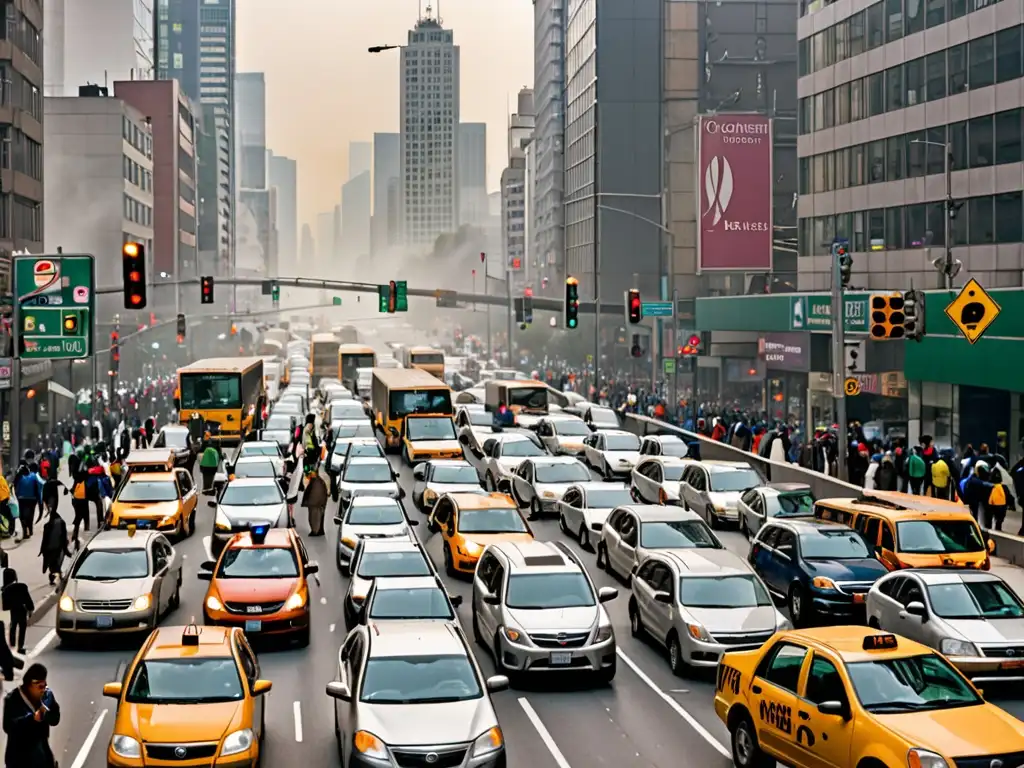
(511, 314)
(838, 315)
(946, 265)
(597, 252)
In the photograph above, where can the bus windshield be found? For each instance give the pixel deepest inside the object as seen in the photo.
(427, 358)
(402, 402)
(351, 362)
(211, 390)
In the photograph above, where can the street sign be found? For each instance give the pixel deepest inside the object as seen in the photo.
(851, 386)
(337, 301)
(670, 365)
(656, 309)
(973, 311)
(53, 308)
(814, 313)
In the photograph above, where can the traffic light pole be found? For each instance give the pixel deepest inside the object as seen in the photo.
(511, 316)
(838, 315)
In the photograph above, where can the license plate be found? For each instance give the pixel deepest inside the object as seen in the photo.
(253, 625)
(1015, 664)
(104, 622)
(144, 524)
(858, 598)
(562, 659)
(253, 609)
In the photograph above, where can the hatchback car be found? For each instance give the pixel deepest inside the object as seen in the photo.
(633, 531)
(409, 598)
(369, 517)
(538, 484)
(368, 477)
(781, 500)
(375, 558)
(584, 507)
(612, 453)
(245, 502)
(439, 476)
(712, 489)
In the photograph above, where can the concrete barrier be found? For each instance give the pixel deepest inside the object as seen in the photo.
(1008, 545)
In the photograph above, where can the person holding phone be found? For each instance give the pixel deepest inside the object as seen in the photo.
(29, 712)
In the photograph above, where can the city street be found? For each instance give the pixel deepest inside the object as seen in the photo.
(647, 717)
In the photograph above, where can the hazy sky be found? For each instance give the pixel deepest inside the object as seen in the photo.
(324, 90)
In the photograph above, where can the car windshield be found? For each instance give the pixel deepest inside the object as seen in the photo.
(260, 450)
(520, 448)
(356, 450)
(409, 563)
(799, 504)
(607, 499)
(171, 438)
(419, 680)
(367, 472)
(278, 422)
(148, 491)
(480, 418)
(494, 520)
(989, 599)
(677, 534)
(675, 448)
(910, 684)
(603, 416)
(571, 428)
(722, 592)
(430, 428)
(111, 564)
(346, 410)
(622, 443)
(673, 472)
(245, 495)
(255, 469)
(939, 537)
(735, 480)
(541, 591)
(288, 408)
(352, 430)
(419, 603)
(569, 472)
(188, 680)
(378, 514)
(455, 475)
(258, 563)
(833, 544)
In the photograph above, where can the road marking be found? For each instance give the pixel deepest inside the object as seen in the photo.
(545, 736)
(297, 707)
(323, 601)
(208, 547)
(90, 739)
(675, 705)
(43, 644)
(331, 628)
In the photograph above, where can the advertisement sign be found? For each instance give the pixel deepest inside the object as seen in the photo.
(785, 351)
(734, 170)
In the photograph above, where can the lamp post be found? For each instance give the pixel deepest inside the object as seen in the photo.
(946, 265)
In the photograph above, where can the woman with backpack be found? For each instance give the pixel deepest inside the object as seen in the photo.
(79, 503)
(917, 469)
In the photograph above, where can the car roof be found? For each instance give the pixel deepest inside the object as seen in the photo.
(509, 437)
(481, 500)
(946, 576)
(214, 642)
(672, 460)
(114, 538)
(654, 513)
(260, 444)
(415, 638)
(704, 562)
(390, 544)
(536, 555)
(786, 487)
(549, 460)
(601, 485)
(810, 526)
(247, 482)
(715, 465)
(362, 500)
(357, 460)
(276, 537)
(386, 583)
(449, 463)
(664, 438)
(616, 432)
(254, 460)
(848, 643)
(146, 477)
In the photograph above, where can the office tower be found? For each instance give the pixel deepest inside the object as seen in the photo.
(360, 156)
(177, 44)
(307, 250)
(284, 179)
(324, 243)
(355, 217)
(513, 191)
(472, 172)
(387, 165)
(548, 136)
(251, 119)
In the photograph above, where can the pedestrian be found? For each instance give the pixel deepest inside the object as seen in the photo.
(871, 471)
(28, 489)
(29, 712)
(977, 490)
(941, 476)
(8, 661)
(18, 602)
(5, 506)
(314, 498)
(917, 470)
(208, 463)
(885, 476)
(53, 547)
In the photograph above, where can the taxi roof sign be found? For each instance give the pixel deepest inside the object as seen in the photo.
(258, 532)
(150, 460)
(190, 636)
(885, 642)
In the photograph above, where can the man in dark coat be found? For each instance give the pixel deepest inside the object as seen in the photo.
(53, 547)
(29, 712)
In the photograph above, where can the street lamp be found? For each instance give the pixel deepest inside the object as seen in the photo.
(947, 266)
(379, 48)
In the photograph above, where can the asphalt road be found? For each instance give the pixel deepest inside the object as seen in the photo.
(646, 717)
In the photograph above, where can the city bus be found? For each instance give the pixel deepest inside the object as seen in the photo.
(323, 357)
(425, 358)
(227, 392)
(347, 334)
(352, 357)
(398, 392)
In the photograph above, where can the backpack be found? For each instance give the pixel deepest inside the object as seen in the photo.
(915, 466)
(997, 497)
(79, 490)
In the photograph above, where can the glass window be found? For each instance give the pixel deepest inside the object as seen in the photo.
(1008, 54)
(833, 544)
(804, 187)
(957, 68)
(876, 25)
(914, 21)
(806, 116)
(894, 20)
(876, 161)
(677, 534)
(804, 56)
(375, 564)
(842, 168)
(935, 76)
(958, 145)
(913, 80)
(989, 599)
(979, 216)
(185, 681)
(935, 222)
(545, 591)
(957, 8)
(876, 94)
(419, 680)
(148, 491)
(896, 166)
(722, 592)
(938, 537)
(857, 165)
(923, 683)
(935, 150)
(935, 13)
(858, 109)
(1008, 136)
(917, 226)
(258, 563)
(980, 142)
(784, 668)
(251, 494)
(982, 53)
(917, 154)
(894, 228)
(1008, 213)
(823, 680)
(842, 104)
(414, 603)
(894, 88)
(111, 564)
(378, 514)
(876, 228)
(857, 33)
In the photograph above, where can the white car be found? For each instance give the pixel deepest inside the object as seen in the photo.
(368, 477)
(585, 507)
(474, 425)
(504, 453)
(539, 483)
(563, 435)
(599, 417)
(370, 517)
(439, 476)
(337, 457)
(664, 445)
(613, 453)
(245, 502)
(712, 489)
(344, 411)
(364, 378)
(262, 448)
(655, 480)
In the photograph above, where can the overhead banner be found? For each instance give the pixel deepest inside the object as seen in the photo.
(735, 182)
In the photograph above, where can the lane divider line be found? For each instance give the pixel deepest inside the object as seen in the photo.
(331, 628)
(297, 708)
(43, 644)
(545, 736)
(703, 732)
(90, 740)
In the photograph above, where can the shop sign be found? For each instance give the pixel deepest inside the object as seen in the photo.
(784, 351)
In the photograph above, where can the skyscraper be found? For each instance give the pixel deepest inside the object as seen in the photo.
(387, 165)
(284, 178)
(548, 135)
(251, 119)
(472, 159)
(429, 107)
(513, 190)
(307, 250)
(360, 154)
(355, 217)
(177, 44)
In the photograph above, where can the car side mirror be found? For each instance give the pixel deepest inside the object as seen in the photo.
(401, 493)
(204, 576)
(505, 486)
(991, 546)
(311, 568)
(663, 597)
(212, 503)
(413, 522)
(419, 472)
(455, 600)
(339, 690)
(491, 599)
(916, 608)
(261, 687)
(208, 565)
(464, 439)
(607, 594)
(497, 684)
(834, 708)
(112, 690)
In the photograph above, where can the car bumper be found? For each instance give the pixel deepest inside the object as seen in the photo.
(548, 506)
(147, 524)
(830, 605)
(94, 622)
(243, 760)
(494, 760)
(701, 653)
(528, 658)
(345, 553)
(280, 623)
(989, 669)
(727, 514)
(465, 562)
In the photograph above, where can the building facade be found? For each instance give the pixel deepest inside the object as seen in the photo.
(307, 249)
(429, 117)
(360, 158)
(251, 136)
(356, 202)
(284, 179)
(325, 243)
(472, 170)
(513, 192)
(387, 166)
(177, 44)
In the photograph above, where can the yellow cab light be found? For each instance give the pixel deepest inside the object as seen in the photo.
(886, 642)
(190, 635)
(368, 744)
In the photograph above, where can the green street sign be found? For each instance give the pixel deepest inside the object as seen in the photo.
(670, 365)
(54, 306)
(401, 296)
(814, 313)
(337, 301)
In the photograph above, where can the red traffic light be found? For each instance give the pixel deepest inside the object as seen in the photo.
(694, 341)
(136, 300)
(483, 257)
(634, 308)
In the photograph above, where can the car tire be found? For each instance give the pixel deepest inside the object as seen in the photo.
(607, 674)
(675, 655)
(636, 625)
(562, 526)
(175, 600)
(607, 473)
(449, 561)
(302, 641)
(489, 484)
(746, 751)
(535, 510)
(713, 522)
(499, 664)
(743, 526)
(478, 637)
(584, 538)
(798, 612)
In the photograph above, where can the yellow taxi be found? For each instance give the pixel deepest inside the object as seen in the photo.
(468, 522)
(192, 696)
(838, 697)
(155, 495)
(427, 437)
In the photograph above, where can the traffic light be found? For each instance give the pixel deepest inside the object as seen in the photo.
(275, 291)
(69, 324)
(234, 329)
(692, 346)
(181, 328)
(634, 308)
(527, 309)
(383, 297)
(206, 289)
(519, 309)
(401, 289)
(636, 349)
(133, 263)
(115, 350)
(572, 303)
(913, 315)
(840, 251)
(887, 316)
(392, 296)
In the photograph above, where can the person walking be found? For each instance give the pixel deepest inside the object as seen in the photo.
(314, 498)
(28, 488)
(917, 470)
(18, 602)
(208, 463)
(53, 547)
(30, 711)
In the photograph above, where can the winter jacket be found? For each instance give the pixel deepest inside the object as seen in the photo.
(28, 485)
(916, 467)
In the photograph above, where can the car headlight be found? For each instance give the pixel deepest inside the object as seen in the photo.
(66, 603)
(950, 647)
(604, 633)
(548, 495)
(366, 743)
(470, 548)
(236, 742)
(221, 522)
(782, 623)
(823, 582)
(922, 758)
(489, 742)
(126, 746)
(514, 635)
(142, 602)
(697, 632)
(168, 519)
(429, 495)
(213, 604)
(295, 602)
(348, 541)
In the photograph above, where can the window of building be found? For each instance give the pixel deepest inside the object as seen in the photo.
(956, 60)
(894, 228)
(875, 25)
(935, 222)
(894, 20)
(857, 32)
(958, 145)
(1008, 136)
(915, 16)
(982, 52)
(857, 165)
(935, 75)
(842, 104)
(876, 94)
(896, 159)
(980, 142)
(876, 162)
(913, 80)
(1008, 54)
(935, 13)
(917, 225)
(935, 149)
(980, 223)
(876, 228)
(1008, 221)
(957, 8)
(857, 100)
(917, 154)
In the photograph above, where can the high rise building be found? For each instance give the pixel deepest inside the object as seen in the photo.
(472, 169)
(548, 134)
(360, 158)
(387, 166)
(307, 249)
(256, 233)
(251, 119)
(429, 107)
(177, 44)
(513, 192)
(324, 243)
(355, 217)
(284, 180)
(96, 41)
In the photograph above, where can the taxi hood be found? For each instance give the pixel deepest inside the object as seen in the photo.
(979, 730)
(153, 511)
(435, 445)
(256, 590)
(172, 723)
(443, 723)
(483, 540)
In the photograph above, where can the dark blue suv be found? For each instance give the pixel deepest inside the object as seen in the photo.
(820, 569)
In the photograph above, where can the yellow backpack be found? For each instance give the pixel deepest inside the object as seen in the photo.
(997, 497)
(79, 490)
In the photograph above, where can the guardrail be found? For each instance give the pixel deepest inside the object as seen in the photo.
(1008, 545)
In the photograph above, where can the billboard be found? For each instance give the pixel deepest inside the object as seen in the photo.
(734, 169)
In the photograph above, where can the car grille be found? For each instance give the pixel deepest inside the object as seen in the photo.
(254, 609)
(443, 757)
(1009, 760)
(180, 751)
(142, 524)
(560, 639)
(1000, 651)
(104, 605)
(745, 638)
(854, 587)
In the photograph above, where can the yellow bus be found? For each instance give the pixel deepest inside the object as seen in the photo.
(323, 357)
(352, 357)
(228, 392)
(425, 358)
(398, 392)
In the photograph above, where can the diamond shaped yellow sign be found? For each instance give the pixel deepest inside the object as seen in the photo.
(973, 311)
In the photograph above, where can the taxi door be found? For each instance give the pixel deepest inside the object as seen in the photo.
(887, 547)
(823, 740)
(189, 497)
(773, 698)
(252, 673)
